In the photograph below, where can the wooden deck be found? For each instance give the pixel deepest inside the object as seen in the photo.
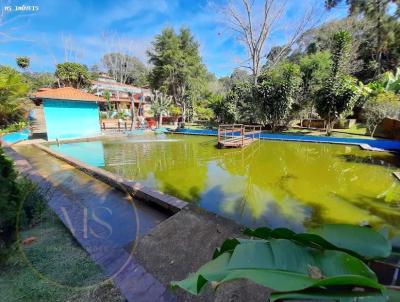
(237, 135)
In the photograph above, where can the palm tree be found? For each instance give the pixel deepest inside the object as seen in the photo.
(160, 105)
(23, 62)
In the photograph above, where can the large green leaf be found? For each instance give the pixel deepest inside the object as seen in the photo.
(359, 241)
(283, 265)
(215, 270)
(282, 254)
(362, 240)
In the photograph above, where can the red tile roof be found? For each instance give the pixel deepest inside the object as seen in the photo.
(67, 93)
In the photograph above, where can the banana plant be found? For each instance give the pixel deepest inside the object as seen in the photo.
(327, 263)
(389, 82)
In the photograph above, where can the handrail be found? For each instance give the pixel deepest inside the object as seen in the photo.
(238, 135)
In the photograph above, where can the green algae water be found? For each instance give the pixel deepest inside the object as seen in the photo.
(272, 183)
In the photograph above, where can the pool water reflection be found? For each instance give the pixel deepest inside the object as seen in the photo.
(271, 183)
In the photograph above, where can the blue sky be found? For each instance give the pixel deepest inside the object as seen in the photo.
(83, 26)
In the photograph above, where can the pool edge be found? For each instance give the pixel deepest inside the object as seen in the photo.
(136, 189)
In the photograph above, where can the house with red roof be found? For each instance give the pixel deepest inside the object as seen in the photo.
(124, 95)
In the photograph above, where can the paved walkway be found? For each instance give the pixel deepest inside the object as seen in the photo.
(103, 220)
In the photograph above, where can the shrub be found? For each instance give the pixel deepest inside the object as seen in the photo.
(379, 106)
(20, 200)
(204, 114)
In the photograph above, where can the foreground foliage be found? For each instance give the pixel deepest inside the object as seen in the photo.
(20, 200)
(13, 90)
(326, 263)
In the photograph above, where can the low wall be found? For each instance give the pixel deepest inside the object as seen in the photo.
(320, 123)
(313, 123)
(389, 128)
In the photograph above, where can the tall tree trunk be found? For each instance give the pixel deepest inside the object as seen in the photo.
(183, 112)
(374, 129)
(160, 118)
(133, 115)
(379, 37)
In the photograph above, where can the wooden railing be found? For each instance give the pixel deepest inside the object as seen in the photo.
(237, 135)
(115, 125)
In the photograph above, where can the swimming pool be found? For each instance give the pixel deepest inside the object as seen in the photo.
(271, 183)
(14, 137)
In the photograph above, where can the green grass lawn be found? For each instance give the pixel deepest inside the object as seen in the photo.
(58, 269)
(358, 129)
(354, 132)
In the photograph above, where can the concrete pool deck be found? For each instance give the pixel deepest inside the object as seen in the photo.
(143, 265)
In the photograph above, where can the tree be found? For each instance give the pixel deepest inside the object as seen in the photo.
(109, 107)
(314, 70)
(225, 108)
(13, 91)
(237, 105)
(38, 80)
(276, 92)
(125, 69)
(160, 106)
(177, 68)
(94, 72)
(242, 19)
(380, 106)
(320, 39)
(73, 75)
(23, 62)
(381, 42)
(238, 75)
(339, 93)
(204, 113)
(174, 112)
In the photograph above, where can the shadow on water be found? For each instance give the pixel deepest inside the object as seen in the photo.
(212, 141)
(315, 217)
(194, 193)
(239, 208)
(388, 212)
(384, 160)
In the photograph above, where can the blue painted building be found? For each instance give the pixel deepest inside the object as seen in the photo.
(69, 112)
